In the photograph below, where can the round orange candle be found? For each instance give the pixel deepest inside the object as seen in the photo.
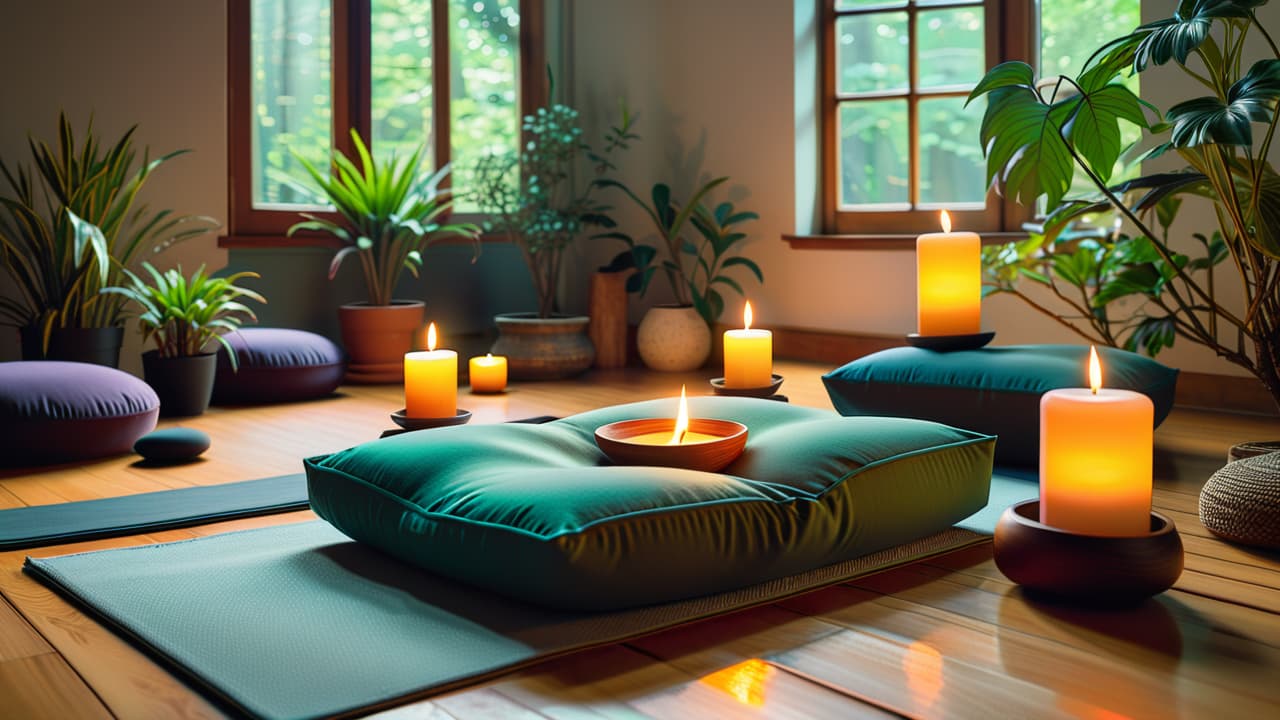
(488, 374)
(948, 282)
(1095, 459)
(748, 355)
(431, 381)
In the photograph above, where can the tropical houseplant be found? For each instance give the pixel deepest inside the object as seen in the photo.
(388, 213)
(185, 317)
(70, 226)
(543, 199)
(1037, 134)
(677, 337)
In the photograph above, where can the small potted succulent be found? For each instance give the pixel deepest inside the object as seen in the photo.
(389, 212)
(677, 337)
(185, 316)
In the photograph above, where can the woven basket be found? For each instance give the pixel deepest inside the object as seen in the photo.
(1241, 502)
(1250, 449)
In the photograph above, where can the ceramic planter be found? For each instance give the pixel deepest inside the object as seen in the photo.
(673, 338)
(376, 337)
(543, 348)
(183, 384)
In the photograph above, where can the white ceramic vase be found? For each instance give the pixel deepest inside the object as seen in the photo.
(673, 338)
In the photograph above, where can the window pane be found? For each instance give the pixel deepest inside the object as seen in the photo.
(951, 48)
(400, 68)
(951, 163)
(873, 152)
(872, 52)
(856, 4)
(292, 107)
(484, 102)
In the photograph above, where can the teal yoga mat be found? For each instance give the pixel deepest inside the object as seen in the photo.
(298, 621)
(132, 514)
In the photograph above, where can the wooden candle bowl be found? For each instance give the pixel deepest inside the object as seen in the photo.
(615, 441)
(1086, 568)
(950, 343)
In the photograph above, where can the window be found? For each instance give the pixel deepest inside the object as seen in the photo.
(448, 74)
(898, 143)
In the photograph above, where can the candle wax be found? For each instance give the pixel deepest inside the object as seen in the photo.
(488, 373)
(748, 358)
(1095, 461)
(948, 283)
(663, 438)
(431, 384)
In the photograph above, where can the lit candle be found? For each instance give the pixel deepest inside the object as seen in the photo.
(431, 381)
(1095, 459)
(488, 374)
(748, 355)
(680, 433)
(948, 282)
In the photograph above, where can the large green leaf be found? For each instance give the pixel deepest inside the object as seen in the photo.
(1209, 120)
(1026, 154)
(1093, 126)
(1012, 74)
(1177, 37)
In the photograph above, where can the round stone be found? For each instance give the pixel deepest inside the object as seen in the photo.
(176, 444)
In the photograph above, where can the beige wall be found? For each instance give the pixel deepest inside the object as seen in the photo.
(159, 64)
(719, 96)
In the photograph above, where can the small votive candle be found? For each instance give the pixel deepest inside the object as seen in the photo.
(488, 373)
(431, 381)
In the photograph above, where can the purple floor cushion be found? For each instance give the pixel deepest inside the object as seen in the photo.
(52, 411)
(277, 365)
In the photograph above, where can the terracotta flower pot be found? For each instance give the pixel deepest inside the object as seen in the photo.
(543, 348)
(673, 338)
(376, 337)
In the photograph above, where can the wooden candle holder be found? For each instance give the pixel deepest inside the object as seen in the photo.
(949, 343)
(1086, 568)
(719, 388)
(413, 423)
(616, 441)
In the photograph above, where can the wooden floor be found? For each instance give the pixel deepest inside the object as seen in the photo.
(946, 638)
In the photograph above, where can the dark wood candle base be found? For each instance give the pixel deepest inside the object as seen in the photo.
(949, 343)
(1086, 568)
(767, 391)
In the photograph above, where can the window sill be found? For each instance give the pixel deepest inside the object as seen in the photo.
(882, 241)
(259, 242)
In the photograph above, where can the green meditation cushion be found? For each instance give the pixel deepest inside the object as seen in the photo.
(538, 513)
(172, 445)
(995, 390)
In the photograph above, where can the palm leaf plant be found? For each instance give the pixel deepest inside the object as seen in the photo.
(1037, 135)
(389, 213)
(693, 269)
(71, 224)
(185, 315)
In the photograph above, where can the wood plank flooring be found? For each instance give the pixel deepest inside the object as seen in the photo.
(945, 638)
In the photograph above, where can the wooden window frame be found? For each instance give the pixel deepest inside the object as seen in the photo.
(1010, 34)
(249, 226)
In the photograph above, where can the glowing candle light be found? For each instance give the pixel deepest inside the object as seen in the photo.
(680, 434)
(488, 373)
(748, 355)
(431, 381)
(1095, 458)
(948, 282)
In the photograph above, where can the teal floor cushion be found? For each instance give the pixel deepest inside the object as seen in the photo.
(538, 513)
(995, 390)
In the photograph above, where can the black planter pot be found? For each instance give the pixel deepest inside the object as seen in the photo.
(100, 346)
(184, 384)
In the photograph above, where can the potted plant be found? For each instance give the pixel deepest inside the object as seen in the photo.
(677, 337)
(185, 316)
(1037, 134)
(68, 228)
(533, 199)
(389, 212)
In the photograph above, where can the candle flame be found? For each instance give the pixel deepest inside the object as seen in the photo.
(1095, 370)
(682, 420)
(488, 357)
(747, 317)
(945, 218)
(431, 336)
